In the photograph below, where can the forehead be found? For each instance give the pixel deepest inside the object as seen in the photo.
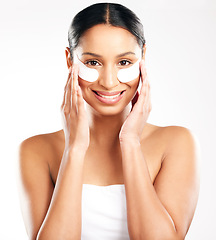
(108, 40)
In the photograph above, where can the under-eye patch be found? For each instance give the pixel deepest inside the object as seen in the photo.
(86, 73)
(123, 75)
(130, 73)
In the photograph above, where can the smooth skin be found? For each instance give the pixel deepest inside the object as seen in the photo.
(104, 145)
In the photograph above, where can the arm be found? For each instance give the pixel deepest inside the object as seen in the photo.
(50, 214)
(55, 213)
(163, 210)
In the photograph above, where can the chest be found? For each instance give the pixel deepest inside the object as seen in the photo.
(103, 167)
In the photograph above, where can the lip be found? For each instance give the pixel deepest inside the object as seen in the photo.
(109, 100)
(109, 93)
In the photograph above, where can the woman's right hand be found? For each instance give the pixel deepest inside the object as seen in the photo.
(75, 121)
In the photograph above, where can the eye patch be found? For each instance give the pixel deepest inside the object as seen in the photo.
(123, 75)
(130, 73)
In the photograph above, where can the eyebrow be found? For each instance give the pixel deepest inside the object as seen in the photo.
(97, 55)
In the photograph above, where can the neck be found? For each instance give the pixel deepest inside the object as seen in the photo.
(104, 129)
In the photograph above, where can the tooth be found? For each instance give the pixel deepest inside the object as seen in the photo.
(109, 96)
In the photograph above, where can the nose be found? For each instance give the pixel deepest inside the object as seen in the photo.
(108, 77)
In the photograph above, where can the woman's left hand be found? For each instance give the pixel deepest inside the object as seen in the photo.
(133, 126)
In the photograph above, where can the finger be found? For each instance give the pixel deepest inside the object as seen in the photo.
(143, 91)
(142, 96)
(67, 105)
(76, 76)
(66, 88)
(148, 104)
(74, 92)
(143, 78)
(143, 70)
(69, 74)
(145, 104)
(80, 102)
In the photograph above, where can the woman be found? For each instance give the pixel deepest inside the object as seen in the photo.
(108, 174)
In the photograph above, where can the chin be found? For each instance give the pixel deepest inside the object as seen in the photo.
(109, 111)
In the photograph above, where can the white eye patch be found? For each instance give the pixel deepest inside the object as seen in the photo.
(130, 73)
(86, 73)
(124, 75)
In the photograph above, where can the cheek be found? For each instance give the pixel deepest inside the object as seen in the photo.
(83, 85)
(133, 86)
(135, 83)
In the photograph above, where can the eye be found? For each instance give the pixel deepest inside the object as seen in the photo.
(125, 63)
(92, 63)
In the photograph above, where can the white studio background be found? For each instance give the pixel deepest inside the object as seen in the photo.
(180, 58)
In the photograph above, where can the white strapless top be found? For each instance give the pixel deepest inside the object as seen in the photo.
(104, 212)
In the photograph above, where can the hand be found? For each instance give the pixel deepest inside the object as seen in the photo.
(141, 106)
(75, 121)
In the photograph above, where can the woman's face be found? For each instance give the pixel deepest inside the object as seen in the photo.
(108, 49)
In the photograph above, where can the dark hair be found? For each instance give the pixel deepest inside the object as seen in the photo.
(104, 13)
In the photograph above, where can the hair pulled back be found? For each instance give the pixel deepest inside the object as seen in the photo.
(112, 14)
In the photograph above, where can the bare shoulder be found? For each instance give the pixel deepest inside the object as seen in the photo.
(170, 130)
(173, 134)
(179, 138)
(38, 152)
(182, 151)
(177, 130)
(41, 144)
(36, 144)
(172, 140)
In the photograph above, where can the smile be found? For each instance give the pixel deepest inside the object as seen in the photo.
(108, 97)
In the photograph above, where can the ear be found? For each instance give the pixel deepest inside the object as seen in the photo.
(144, 51)
(68, 57)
